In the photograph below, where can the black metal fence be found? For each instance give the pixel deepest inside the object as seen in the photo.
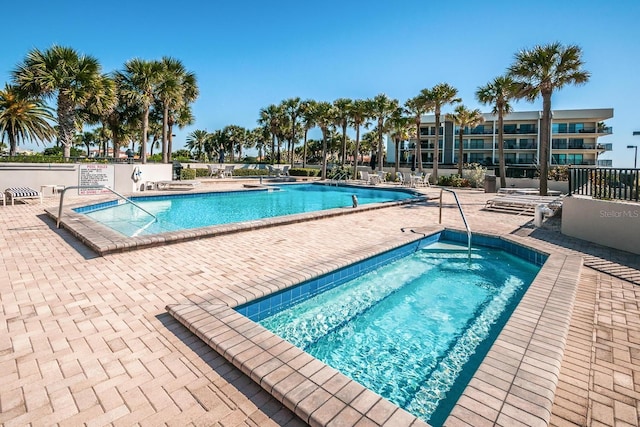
(605, 183)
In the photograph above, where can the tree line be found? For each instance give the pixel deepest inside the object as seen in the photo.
(151, 97)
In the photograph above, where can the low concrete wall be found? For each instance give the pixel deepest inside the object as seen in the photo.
(40, 175)
(615, 224)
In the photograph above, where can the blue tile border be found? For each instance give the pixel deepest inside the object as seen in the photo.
(261, 308)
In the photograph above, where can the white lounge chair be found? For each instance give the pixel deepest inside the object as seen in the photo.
(228, 170)
(522, 204)
(177, 185)
(21, 193)
(285, 170)
(400, 178)
(214, 171)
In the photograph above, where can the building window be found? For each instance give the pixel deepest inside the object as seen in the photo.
(576, 143)
(528, 128)
(527, 143)
(559, 128)
(576, 127)
(476, 158)
(510, 158)
(478, 130)
(559, 143)
(510, 129)
(526, 158)
(476, 144)
(510, 144)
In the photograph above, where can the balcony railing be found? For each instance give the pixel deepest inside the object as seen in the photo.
(605, 183)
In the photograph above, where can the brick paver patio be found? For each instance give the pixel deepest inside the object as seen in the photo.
(87, 340)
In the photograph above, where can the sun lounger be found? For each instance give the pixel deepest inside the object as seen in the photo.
(522, 204)
(177, 185)
(21, 193)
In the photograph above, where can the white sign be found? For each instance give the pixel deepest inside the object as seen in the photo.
(93, 175)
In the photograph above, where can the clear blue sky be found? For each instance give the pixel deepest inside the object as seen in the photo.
(247, 55)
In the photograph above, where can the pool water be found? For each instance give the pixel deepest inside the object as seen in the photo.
(410, 330)
(187, 211)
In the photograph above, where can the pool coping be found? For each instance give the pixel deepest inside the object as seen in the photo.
(103, 240)
(515, 383)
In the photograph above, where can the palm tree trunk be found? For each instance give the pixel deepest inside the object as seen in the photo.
(397, 155)
(544, 141)
(145, 129)
(165, 127)
(13, 144)
(66, 124)
(502, 162)
(355, 153)
(344, 144)
(380, 162)
(436, 148)
(460, 151)
(273, 147)
(304, 149)
(324, 154)
(418, 145)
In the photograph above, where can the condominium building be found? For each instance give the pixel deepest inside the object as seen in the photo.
(574, 139)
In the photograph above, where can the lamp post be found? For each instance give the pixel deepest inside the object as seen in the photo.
(635, 156)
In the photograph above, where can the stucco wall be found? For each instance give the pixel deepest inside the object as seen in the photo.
(35, 175)
(608, 223)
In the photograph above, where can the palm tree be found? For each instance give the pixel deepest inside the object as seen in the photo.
(359, 113)
(400, 128)
(88, 139)
(324, 117)
(271, 117)
(416, 107)
(382, 109)
(23, 118)
(440, 95)
(544, 69)
(308, 122)
(61, 72)
(343, 110)
(499, 92)
(138, 83)
(293, 108)
(196, 141)
(464, 118)
(177, 88)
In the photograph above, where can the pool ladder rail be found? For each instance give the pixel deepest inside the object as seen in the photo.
(338, 177)
(98, 187)
(464, 218)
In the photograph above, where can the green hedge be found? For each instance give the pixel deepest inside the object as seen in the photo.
(187, 174)
(304, 172)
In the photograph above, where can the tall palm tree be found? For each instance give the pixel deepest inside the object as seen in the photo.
(359, 113)
(544, 69)
(196, 141)
(416, 107)
(400, 127)
(464, 118)
(23, 118)
(88, 139)
(343, 110)
(499, 92)
(440, 95)
(324, 117)
(139, 82)
(177, 88)
(382, 109)
(292, 107)
(63, 73)
(272, 118)
(308, 122)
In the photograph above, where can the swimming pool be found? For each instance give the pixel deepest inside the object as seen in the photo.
(196, 210)
(445, 311)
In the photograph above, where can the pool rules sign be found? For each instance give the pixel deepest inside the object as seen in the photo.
(95, 175)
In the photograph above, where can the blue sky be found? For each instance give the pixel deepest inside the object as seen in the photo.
(247, 55)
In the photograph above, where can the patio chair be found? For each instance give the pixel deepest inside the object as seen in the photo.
(21, 193)
(213, 171)
(425, 180)
(364, 176)
(228, 170)
(285, 170)
(400, 178)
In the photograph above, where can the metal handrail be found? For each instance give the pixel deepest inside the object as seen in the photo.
(99, 187)
(464, 219)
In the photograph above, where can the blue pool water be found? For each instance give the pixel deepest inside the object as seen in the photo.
(187, 211)
(413, 330)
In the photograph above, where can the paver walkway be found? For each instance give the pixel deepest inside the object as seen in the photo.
(86, 339)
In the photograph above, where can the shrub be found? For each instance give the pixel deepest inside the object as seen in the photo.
(304, 172)
(475, 173)
(187, 174)
(453, 181)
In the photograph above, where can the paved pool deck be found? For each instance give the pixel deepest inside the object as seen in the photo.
(87, 340)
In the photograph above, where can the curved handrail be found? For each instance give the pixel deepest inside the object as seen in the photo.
(464, 219)
(99, 187)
